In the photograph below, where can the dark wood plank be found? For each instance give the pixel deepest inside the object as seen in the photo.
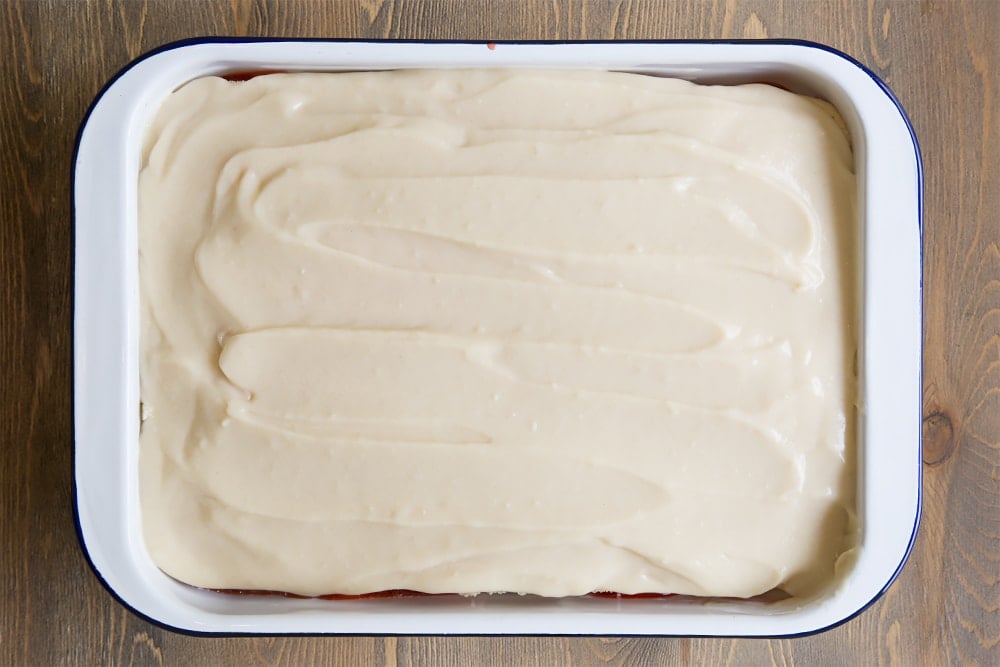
(940, 57)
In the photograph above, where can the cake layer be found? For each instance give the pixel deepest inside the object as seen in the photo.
(476, 331)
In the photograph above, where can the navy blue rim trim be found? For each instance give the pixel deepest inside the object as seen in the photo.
(250, 40)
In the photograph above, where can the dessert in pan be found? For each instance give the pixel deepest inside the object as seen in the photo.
(473, 331)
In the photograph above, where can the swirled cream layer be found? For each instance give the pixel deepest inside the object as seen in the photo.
(474, 331)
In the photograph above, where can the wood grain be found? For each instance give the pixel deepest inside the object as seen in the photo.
(942, 59)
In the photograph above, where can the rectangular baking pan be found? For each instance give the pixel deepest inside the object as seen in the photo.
(106, 342)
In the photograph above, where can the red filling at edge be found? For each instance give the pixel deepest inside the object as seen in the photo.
(249, 74)
(404, 593)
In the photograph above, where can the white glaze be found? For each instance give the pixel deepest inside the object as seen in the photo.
(497, 331)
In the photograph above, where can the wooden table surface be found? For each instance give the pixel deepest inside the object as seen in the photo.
(939, 56)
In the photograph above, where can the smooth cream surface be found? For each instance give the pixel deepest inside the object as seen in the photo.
(473, 331)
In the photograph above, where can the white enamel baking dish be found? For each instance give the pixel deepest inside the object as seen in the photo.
(107, 331)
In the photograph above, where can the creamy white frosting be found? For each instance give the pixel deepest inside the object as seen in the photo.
(472, 331)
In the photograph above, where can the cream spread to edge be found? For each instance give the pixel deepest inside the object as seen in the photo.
(484, 331)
